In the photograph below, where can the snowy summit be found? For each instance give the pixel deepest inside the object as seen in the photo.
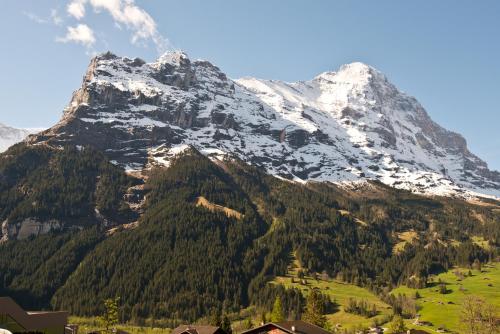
(344, 126)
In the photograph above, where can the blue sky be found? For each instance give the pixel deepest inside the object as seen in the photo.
(445, 53)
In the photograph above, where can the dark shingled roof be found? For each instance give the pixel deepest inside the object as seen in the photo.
(291, 327)
(32, 321)
(195, 329)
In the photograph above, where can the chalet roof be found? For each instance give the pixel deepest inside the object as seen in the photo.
(291, 327)
(197, 329)
(32, 321)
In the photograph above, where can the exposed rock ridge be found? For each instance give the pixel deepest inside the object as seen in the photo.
(348, 125)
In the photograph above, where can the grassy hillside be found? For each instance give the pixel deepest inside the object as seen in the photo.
(92, 324)
(443, 310)
(339, 291)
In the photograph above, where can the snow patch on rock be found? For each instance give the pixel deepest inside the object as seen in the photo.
(349, 125)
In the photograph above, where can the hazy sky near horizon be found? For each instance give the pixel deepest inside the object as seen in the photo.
(445, 53)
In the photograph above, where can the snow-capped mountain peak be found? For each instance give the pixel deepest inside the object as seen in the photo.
(348, 125)
(356, 72)
(10, 136)
(173, 57)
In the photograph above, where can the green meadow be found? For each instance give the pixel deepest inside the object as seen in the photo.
(439, 310)
(444, 310)
(92, 324)
(340, 292)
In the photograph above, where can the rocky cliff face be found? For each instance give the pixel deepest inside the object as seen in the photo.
(348, 125)
(27, 228)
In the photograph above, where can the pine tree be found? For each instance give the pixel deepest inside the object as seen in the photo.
(277, 314)
(215, 319)
(442, 288)
(110, 316)
(477, 264)
(374, 311)
(226, 325)
(397, 326)
(263, 317)
(300, 274)
(248, 324)
(315, 309)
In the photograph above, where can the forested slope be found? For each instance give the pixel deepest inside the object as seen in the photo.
(66, 184)
(184, 261)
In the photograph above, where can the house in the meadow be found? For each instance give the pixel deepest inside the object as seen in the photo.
(197, 329)
(288, 327)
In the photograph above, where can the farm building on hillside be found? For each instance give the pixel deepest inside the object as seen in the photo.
(16, 320)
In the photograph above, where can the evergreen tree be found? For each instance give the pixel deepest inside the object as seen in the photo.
(248, 324)
(397, 326)
(300, 274)
(315, 309)
(442, 288)
(277, 314)
(263, 317)
(477, 264)
(110, 316)
(215, 319)
(226, 325)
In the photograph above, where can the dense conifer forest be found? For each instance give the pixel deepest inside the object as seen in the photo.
(184, 261)
(67, 184)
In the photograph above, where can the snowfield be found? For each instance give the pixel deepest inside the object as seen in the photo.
(345, 126)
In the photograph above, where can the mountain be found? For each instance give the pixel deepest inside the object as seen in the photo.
(10, 136)
(345, 126)
(44, 189)
(182, 192)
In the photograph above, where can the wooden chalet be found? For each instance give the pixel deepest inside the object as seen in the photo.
(288, 327)
(197, 329)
